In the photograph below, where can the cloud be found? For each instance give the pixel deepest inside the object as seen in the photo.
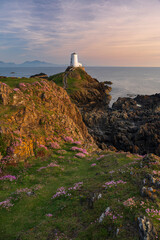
(101, 31)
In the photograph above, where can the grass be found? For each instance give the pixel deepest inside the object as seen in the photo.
(74, 215)
(14, 82)
(57, 78)
(75, 80)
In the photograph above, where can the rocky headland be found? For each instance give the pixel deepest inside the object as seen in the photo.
(130, 125)
(37, 114)
(70, 166)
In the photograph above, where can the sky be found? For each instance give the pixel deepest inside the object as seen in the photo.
(102, 32)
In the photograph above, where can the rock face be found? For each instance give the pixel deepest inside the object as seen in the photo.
(131, 125)
(86, 92)
(40, 75)
(146, 229)
(37, 114)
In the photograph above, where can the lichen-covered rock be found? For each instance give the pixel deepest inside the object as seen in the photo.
(38, 113)
(146, 229)
(5, 92)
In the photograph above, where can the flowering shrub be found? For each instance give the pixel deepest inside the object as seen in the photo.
(77, 143)
(93, 164)
(16, 89)
(22, 190)
(61, 151)
(53, 165)
(22, 85)
(10, 177)
(69, 139)
(129, 202)
(42, 146)
(79, 149)
(41, 168)
(156, 172)
(101, 156)
(6, 204)
(153, 212)
(49, 215)
(60, 191)
(76, 186)
(113, 183)
(49, 165)
(4, 84)
(54, 145)
(80, 155)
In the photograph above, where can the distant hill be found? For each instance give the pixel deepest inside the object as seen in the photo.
(35, 63)
(10, 64)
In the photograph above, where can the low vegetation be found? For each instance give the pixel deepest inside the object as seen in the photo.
(63, 196)
(13, 82)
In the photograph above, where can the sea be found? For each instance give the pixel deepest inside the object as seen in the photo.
(127, 81)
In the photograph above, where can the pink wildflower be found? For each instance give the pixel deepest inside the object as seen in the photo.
(129, 202)
(10, 177)
(41, 168)
(60, 191)
(42, 146)
(93, 164)
(16, 89)
(101, 156)
(81, 155)
(22, 85)
(113, 183)
(49, 215)
(6, 203)
(53, 165)
(79, 149)
(69, 139)
(77, 143)
(22, 190)
(54, 145)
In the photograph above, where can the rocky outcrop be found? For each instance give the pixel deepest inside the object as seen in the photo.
(85, 91)
(146, 229)
(40, 76)
(37, 114)
(131, 125)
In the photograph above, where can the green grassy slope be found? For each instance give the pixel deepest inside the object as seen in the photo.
(74, 213)
(14, 82)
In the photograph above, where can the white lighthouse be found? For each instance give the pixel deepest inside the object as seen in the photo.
(74, 60)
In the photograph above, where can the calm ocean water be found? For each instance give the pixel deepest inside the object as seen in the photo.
(127, 81)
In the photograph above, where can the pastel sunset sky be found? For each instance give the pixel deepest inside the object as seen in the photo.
(102, 32)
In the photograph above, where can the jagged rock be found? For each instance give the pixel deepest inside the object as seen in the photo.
(146, 229)
(40, 75)
(127, 126)
(5, 92)
(148, 192)
(151, 179)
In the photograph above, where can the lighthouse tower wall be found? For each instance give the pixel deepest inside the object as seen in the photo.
(74, 60)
